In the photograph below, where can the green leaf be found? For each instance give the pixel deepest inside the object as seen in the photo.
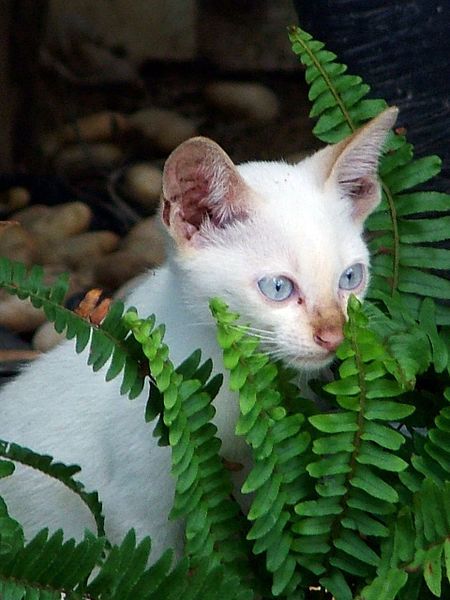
(420, 202)
(332, 465)
(313, 525)
(259, 475)
(418, 230)
(364, 524)
(265, 497)
(365, 479)
(369, 454)
(336, 584)
(383, 435)
(283, 576)
(412, 174)
(348, 387)
(315, 508)
(334, 422)
(383, 388)
(386, 586)
(339, 442)
(386, 410)
(353, 545)
(432, 569)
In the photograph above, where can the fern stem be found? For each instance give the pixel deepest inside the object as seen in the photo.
(395, 236)
(325, 76)
(337, 525)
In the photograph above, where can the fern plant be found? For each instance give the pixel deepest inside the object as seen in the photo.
(404, 232)
(351, 501)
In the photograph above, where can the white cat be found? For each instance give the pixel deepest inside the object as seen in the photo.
(280, 243)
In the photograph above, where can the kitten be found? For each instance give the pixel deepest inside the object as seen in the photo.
(281, 244)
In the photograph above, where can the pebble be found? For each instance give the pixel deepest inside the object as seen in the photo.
(147, 239)
(101, 126)
(14, 199)
(79, 158)
(51, 223)
(143, 184)
(77, 250)
(97, 127)
(249, 100)
(46, 337)
(19, 315)
(16, 243)
(115, 269)
(165, 128)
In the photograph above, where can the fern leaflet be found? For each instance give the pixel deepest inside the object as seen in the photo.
(109, 341)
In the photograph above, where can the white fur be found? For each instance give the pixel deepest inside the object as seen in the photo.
(298, 227)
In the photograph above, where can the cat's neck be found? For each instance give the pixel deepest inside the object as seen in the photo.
(187, 328)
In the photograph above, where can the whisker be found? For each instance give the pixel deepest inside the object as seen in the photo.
(241, 326)
(260, 334)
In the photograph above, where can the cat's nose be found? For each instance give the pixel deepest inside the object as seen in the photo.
(329, 339)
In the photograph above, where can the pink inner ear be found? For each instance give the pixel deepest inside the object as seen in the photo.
(201, 184)
(195, 201)
(364, 193)
(360, 187)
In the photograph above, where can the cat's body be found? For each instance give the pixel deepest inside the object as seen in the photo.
(280, 243)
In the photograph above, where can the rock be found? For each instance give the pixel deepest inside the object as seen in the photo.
(18, 244)
(143, 248)
(49, 224)
(79, 158)
(143, 184)
(98, 127)
(115, 269)
(46, 337)
(77, 250)
(147, 239)
(165, 128)
(20, 315)
(252, 101)
(14, 199)
(32, 217)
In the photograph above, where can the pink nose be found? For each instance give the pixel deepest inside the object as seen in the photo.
(329, 339)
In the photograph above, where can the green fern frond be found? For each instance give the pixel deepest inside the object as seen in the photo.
(48, 568)
(109, 341)
(419, 546)
(356, 464)
(280, 449)
(58, 471)
(403, 259)
(431, 456)
(415, 344)
(202, 496)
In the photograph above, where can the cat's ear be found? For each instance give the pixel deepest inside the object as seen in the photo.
(201, 188)
(353, 163)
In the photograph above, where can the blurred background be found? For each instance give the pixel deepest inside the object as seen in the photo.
(95, 95)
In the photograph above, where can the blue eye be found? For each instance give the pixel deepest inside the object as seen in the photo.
(277, 288)
(352, 277)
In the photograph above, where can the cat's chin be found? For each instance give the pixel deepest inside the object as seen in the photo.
(312, 363)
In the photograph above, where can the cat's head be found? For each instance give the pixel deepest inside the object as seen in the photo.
(281, 244)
